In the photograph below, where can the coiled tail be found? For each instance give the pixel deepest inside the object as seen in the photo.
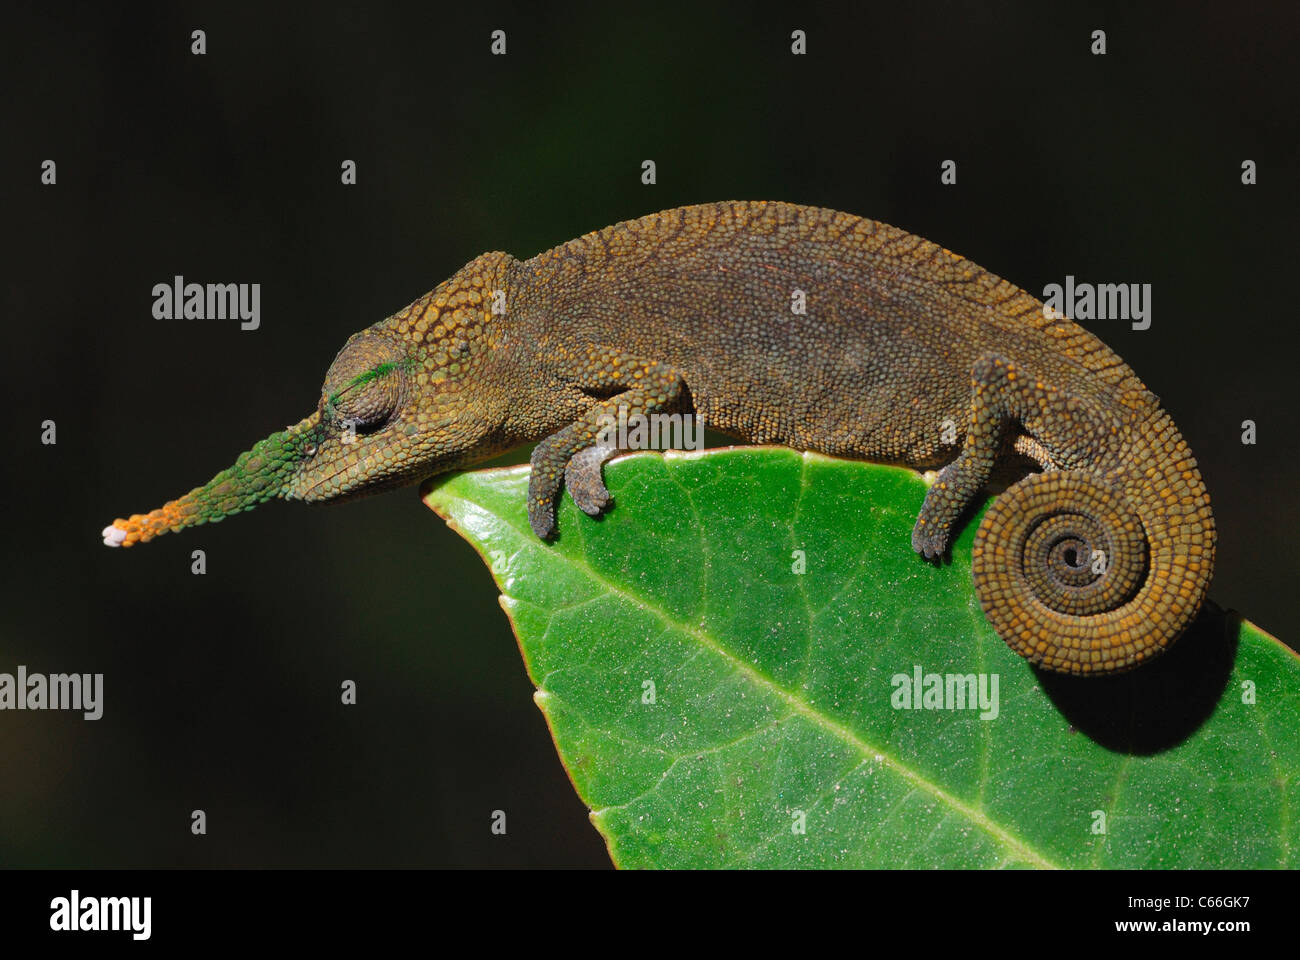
(1092, 573)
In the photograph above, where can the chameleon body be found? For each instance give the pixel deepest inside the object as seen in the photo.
(906, 354)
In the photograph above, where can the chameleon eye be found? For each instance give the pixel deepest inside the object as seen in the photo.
(366, 383)
(369, 403)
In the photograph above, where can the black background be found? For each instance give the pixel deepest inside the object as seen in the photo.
(222, 691)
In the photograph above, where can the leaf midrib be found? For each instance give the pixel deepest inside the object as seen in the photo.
(977, 817)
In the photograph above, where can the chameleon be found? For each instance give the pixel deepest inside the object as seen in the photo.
(1092, 562)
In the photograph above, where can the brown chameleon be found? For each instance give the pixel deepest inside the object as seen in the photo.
(903, 353)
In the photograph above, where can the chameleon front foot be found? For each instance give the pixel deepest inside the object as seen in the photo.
(572, 457)
(583, 480)
(544, 478)
(541, 517)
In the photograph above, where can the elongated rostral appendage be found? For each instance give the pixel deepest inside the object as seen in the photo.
(403, 400)
(262, 473)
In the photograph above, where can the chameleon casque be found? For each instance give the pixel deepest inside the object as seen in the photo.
(688, 310)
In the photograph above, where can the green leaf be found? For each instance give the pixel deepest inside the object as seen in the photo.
(773, 690)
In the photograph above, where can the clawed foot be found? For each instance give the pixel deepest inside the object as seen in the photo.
(541, 517)
(583, 481)
(929, 543)
(943, 505)
(581, 478)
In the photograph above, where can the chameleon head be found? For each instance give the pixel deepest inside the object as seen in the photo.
(392, 410)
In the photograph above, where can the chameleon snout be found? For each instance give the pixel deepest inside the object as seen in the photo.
(262, 473)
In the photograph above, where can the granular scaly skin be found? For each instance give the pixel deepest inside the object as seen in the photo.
(906, 353)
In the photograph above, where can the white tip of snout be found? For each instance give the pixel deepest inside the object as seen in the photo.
(113, 536)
